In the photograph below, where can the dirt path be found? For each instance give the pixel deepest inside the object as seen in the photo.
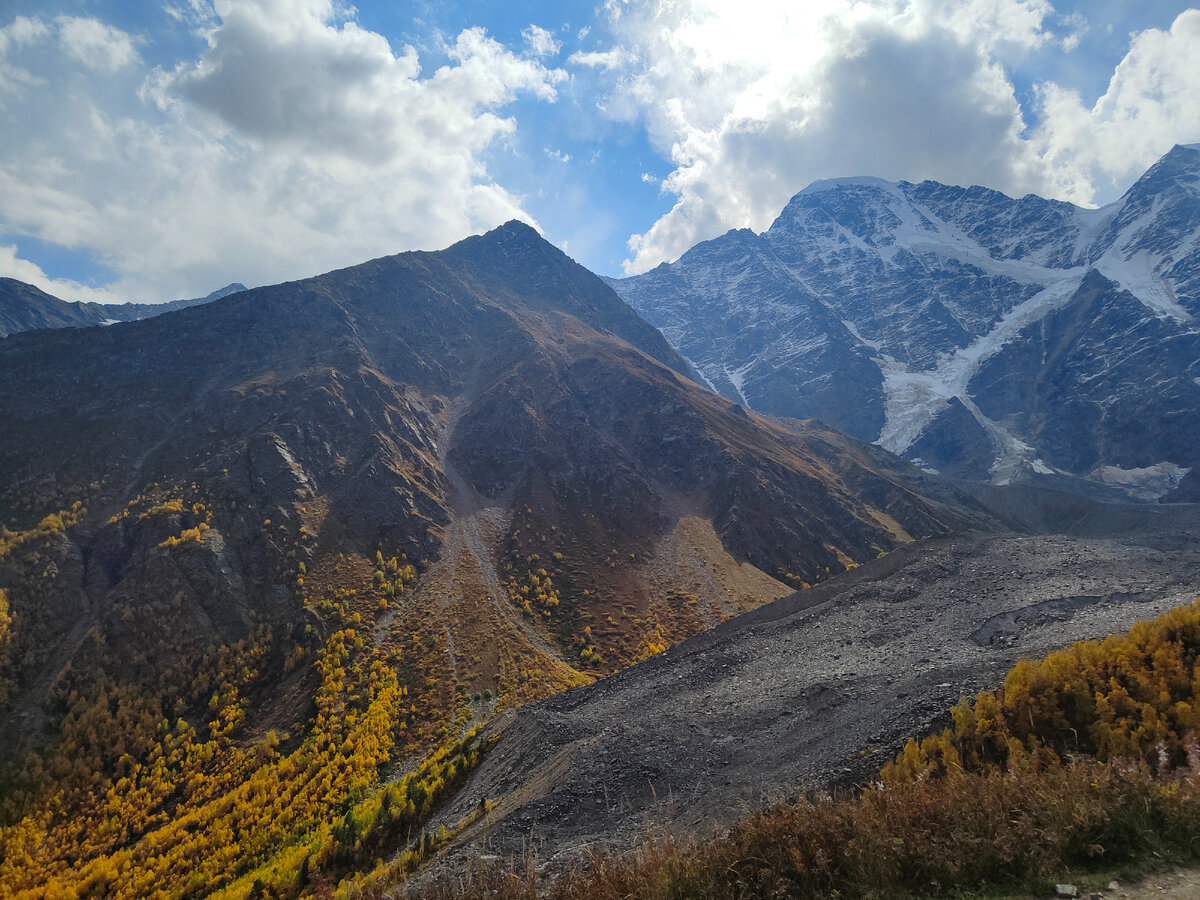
(1182, 884)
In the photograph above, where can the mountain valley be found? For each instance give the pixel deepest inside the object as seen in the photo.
(333, 526)
(446, 555)
(817, 688)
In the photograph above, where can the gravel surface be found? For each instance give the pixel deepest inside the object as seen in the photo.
(820, 686)
(1182, 884)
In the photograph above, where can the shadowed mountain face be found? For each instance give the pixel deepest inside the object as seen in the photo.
(26, 308)
(976, 334)
(492, 414)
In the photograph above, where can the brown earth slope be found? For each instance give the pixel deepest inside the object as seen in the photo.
(492, 415)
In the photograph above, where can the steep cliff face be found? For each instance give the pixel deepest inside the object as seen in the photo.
(973, 333)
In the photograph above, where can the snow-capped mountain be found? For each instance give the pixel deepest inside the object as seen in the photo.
(977, 334)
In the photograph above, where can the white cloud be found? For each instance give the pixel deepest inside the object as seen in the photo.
(297, 142)
(600, 59)
(334, 88)
(22, 31)
(557, 155)
(13, 266)
(751, 102)
(541, 43)
(1077, 26)
(199, 14)
(991, 23)
(1152, 102)
(98, 46)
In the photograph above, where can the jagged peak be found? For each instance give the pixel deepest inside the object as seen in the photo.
(850, 188)
(514, 229)
(512, 240)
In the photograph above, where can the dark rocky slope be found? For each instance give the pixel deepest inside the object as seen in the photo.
(818, 687)
(980, 335)
(24, 307)
(493, 412)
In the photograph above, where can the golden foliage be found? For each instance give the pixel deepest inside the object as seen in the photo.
(195, 535)
(130, 805)
(54, 523)
(530, 586)
(1129, 696)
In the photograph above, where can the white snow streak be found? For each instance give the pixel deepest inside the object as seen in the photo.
(914, 399)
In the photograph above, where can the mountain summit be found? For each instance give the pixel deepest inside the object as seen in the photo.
(976, 334)
(492, 417)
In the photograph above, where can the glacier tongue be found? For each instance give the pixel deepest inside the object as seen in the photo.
(914, 399)
(1138, 274)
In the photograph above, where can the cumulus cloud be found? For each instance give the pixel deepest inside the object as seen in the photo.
(751, 102)
(325, 87)
(296, 142)
(13, 266)
(100, 47)
(23, 30)
(1152, 101)
(601, 59)
(541, 42)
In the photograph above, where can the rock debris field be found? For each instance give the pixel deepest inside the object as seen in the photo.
(818, 687)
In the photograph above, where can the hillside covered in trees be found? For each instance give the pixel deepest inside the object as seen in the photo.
(268, 562)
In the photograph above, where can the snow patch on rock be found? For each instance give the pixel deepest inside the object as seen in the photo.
(1146, 482)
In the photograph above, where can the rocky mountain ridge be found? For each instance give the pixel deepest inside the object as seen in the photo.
(976, 334)
(24, 307)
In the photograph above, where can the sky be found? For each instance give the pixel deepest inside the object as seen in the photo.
(159, 149)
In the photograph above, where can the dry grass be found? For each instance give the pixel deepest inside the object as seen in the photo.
(994, 804)
(927, 839)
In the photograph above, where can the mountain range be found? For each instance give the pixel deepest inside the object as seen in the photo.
(978, 335)
(24, 307)
(279, 568)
